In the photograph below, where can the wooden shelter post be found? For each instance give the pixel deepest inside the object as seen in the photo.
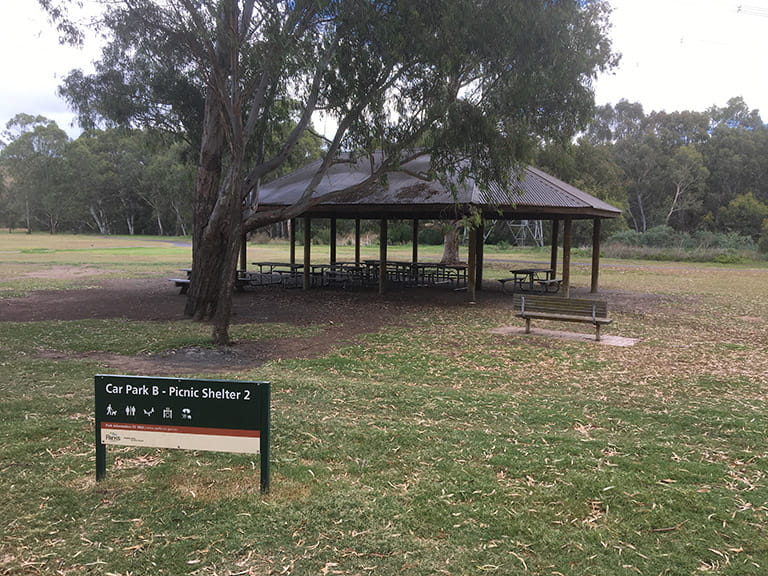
(596, 225)
(480, 254)
(292, 239)
(307, 251)
(383, 256)
(244, 252)
(567, 238)
(472, 265)
(555, 242)
(357, 241)
(415, 241)
(332, 241)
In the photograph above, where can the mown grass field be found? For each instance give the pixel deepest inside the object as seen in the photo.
(431, 446)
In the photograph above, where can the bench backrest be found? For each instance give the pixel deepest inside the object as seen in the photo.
(559, 305)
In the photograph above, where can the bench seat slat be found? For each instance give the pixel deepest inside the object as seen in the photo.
(566, 317)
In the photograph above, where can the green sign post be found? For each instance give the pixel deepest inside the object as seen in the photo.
(215, 415)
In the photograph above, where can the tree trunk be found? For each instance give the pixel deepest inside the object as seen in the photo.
(159, 220)
(181, 227)
(218, 206)
(673, 208)
(99, 219)
(218, 214)
(28, 215)
(202, 296)
(641, 208)
(451, 244)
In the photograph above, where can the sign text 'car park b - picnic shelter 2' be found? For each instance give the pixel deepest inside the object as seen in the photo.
(154, 412)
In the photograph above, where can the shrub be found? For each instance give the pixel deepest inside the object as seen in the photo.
(430, 237)
(662, 237)
(664, 243)
(763, 244)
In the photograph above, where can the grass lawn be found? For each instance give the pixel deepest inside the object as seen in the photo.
(429, 447)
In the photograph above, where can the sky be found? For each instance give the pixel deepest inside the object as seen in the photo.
(675, 55)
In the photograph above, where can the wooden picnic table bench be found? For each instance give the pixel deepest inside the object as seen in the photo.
(593, 312)
(243, 278)
(182, 283)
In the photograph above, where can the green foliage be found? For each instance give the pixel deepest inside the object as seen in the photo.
(37, 173)
(111, 181)
(358, 62)
(431, 236)
(744, 215)
(681, 169)
(763, 244)
(663, 242)
(399, 232)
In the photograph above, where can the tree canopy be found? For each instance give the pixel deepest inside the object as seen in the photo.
(692, 171)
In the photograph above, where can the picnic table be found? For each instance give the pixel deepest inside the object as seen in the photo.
(532, 280)
(243, 278)
(284, 273)
(420, 273)
(341, 274)
(279, 267)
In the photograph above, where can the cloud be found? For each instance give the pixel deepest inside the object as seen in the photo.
(34, 65)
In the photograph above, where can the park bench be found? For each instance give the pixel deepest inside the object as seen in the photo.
(593, 312)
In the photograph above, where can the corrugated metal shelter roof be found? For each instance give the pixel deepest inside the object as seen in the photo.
(407, 193)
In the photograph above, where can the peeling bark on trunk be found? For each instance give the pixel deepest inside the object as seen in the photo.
(451, 244)
(218, 194)
(202, 297)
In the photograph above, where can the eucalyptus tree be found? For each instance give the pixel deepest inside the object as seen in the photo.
(737, 159)
(687, 176)
(475, 83)
(34, 164)
(168, 186)
(108, 177)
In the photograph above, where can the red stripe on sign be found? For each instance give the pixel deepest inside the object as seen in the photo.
(180, 429)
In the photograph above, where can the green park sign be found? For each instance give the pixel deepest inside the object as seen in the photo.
(215, 415)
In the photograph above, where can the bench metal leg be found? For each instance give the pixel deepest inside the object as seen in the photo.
(527, 325)
(597, 332)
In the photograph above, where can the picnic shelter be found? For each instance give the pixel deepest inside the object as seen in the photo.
(408, 193)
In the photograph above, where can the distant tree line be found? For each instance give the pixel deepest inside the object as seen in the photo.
(685, 174)
(110, 181)
(678, 173)
(106, 181)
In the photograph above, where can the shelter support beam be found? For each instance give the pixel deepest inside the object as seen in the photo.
(332, 242)
(567, 239)
(244, 252)
(307, 251)
(596, 225)
(292, 238)
(383, 256)
(357, 241)
(415, 241)
(472, 265)
(554, 246)
(480, 250)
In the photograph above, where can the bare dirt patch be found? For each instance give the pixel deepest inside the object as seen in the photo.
(63, 272)
(343, 316)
